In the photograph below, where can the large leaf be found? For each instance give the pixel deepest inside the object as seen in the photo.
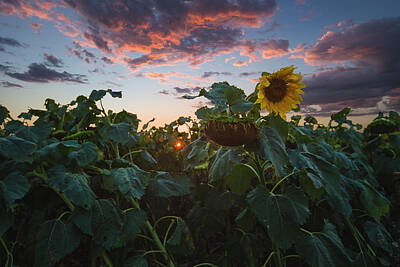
(14, 187)
(128, 182)
(133, 221)
(374, 202)
(222, 166)
(273, 149)
(57, 151)
(119, 133)
(166, 186)
(139, 260)
(35, 133)
(96, 95)
(379, 236)
(236, 99)
(6, 219)
(55, 240)
(16, 148)
(4, 114)
(73, 185)
(181, 241)
(328, 175)
(282, 214)
(106, 223)
(322, 248)
(85, 155)
(240, 178)
(196, 154)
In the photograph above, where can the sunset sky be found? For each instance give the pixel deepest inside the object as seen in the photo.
(155, 51)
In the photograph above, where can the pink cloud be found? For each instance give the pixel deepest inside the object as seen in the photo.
(240, 63)
(274, 48)
(35, 26)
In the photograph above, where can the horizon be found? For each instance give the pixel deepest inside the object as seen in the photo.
(157, 51)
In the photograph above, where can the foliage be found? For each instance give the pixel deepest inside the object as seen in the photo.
(82, 186)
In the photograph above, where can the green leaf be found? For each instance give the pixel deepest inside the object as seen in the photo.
(181, 241)
(240, 178)
(133, 221)
(128, 182)
(106, 223)
(277, 123)
(96, 95)
(196, 154)
(57, 151)
(222, 166)
(139, 260)
(119, 133)
(322, 248)
(379, 236)
(236, 99)
(374, 202)
(273, 149)
(364, 260)
(341, 116)
(83, 220)
(13, 125)
(73, 185)
(6, 221)
(35, 133)
(281, 214)
(168, 186)
(14, 187)
(85, 155)
(54, 241)
(328, 175)
(148, 157)
(4, 114)
(16, 148)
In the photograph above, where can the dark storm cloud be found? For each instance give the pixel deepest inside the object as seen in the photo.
(41, 74)
(370, 52)
(372, 43)
(53, 61)
(7, 84)
(214, 73)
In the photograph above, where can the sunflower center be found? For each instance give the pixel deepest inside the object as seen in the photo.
(276, 91)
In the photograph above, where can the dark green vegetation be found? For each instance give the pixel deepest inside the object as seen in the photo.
(83, 187)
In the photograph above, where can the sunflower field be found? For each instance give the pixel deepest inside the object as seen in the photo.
(83, 186)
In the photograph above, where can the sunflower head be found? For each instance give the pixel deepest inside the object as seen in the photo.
(280, 91)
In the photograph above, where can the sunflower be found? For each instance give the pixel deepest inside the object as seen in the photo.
(280, 91)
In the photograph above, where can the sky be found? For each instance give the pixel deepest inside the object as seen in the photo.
(156, 51)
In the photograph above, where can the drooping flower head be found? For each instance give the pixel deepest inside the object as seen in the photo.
(280, 91)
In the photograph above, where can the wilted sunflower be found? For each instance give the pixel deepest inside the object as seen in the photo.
(280, 91)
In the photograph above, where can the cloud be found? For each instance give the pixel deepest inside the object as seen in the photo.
(215, 73)
(246, 74)
(164, 92)
(239, 63)
(372, 43)
(52, 61)
(107, 60)
(39, 73)
(163, 32)
(7, 84)
(4, 68)
(35, 26)
(300, 2)
(274, 48)
(82, 53)
(340, 87)
(368, 75)
(9, 42)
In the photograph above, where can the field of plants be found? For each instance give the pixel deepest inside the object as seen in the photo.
(82, 186)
